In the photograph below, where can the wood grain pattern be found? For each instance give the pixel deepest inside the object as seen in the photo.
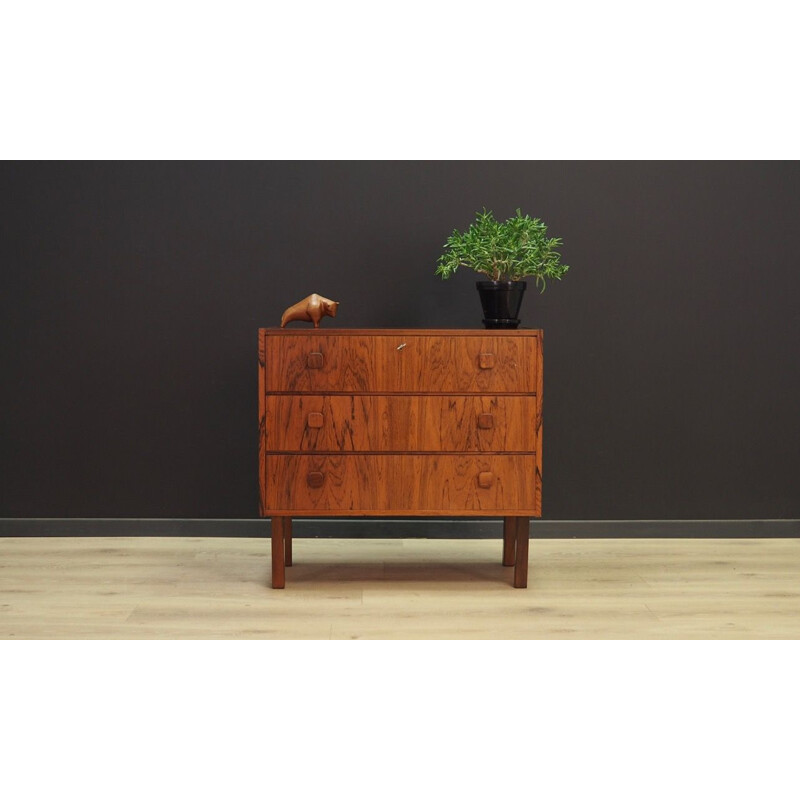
(388, 484)
(190, 587)
(399, 423)
(400, 363)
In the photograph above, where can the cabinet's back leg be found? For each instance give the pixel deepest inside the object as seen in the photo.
(521, 565)
(287, 541)
(509, 540)
(278, 570)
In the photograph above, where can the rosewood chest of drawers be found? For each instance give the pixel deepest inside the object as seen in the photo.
(400, 423)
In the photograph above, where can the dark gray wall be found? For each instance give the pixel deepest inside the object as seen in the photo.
(131, 295)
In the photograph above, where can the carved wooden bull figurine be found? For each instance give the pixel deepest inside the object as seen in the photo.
(311, 309)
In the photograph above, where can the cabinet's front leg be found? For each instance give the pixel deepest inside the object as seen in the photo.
(521, 564)
(278, 570)
(509, 540)
(287, 541)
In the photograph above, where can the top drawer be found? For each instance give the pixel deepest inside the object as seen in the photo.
(394, 362)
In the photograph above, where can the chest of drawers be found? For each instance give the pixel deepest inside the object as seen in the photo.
(400, 423)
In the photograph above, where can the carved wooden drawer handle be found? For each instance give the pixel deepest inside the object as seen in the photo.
(485, 480)
(315, 479)
(315, 361)
(486, 421)
(315, 420)
(486, 360)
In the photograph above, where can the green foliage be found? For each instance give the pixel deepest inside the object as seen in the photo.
(504, 251)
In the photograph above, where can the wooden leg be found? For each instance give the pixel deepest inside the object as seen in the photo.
(521, 565)
(278, 571)
(287, 541)
(509, 540)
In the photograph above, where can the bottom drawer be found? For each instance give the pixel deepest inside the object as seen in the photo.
(411, 484)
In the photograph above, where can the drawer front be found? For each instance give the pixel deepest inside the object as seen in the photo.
(351, 363)
(412, 484)
(400, 423)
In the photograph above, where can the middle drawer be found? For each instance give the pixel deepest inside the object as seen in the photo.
(400, 423)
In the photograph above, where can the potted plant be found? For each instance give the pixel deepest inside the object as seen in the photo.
(506, 252)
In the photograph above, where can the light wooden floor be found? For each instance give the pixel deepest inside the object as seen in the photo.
(188, 588)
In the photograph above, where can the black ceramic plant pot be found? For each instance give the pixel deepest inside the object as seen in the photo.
(501, 301)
